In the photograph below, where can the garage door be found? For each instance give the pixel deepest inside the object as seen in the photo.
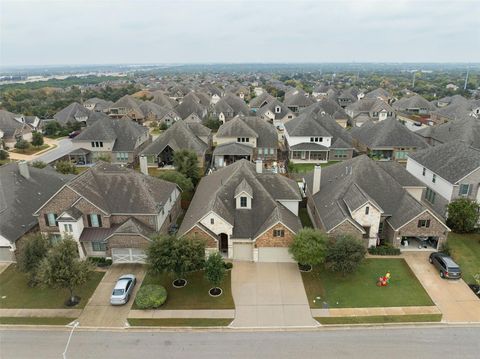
(242, 252)
(128, 255)
(274, 254)
(6, 255)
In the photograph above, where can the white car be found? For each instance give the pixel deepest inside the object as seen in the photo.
(123, 289)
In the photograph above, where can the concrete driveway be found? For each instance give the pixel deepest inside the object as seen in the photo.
(453, 297)
(269, 295)
(98, 312)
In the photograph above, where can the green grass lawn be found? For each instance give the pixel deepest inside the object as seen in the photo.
(180, 322)
(381, 319)
(305, 218)
(31, 150)
(36, 320)
(465, 250)
(4, 162)
(359, 290)
(195, 294)
(308, 167)
(14, 286)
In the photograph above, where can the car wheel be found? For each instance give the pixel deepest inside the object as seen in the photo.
(442, 274)
(430, 259)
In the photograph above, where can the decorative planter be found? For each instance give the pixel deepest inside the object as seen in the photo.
(215, 292)
(304, 267)
(179, 283)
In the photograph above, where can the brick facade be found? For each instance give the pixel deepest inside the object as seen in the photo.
(126, 241)
(62, 201)
(268, 240)
(346, 228)
(198, 233)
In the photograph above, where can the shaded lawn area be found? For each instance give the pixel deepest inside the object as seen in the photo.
(465, 250)
(195, 294)
(36, 320)
(14, 286)
(308, 167)
(179, 322)
(31, 150)
(413, 318)
(359, 290)
(305, 218)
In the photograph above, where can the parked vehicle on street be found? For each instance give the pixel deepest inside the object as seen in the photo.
(123, 289)
(447, 267)
(73, 134)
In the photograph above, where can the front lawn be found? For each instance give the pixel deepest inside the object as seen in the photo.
(36, 320)
(381, 319)
(359, 290)
(14, 287)
(179, 322)
(31, 150)
(195, 294)
(465, 250)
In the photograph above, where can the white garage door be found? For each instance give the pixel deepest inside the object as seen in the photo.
(274, 254)
(242, 252)
(128, 255)
(6, 255)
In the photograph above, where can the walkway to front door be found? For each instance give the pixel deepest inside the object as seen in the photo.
(269, 295)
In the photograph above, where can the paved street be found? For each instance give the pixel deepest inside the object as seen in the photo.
(453, 297)
(371, 343)
(98, 311)
(269, 295)
(64, 146)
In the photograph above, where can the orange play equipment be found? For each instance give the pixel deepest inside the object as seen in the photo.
(383, 281)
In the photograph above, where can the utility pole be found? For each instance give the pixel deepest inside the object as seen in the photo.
(466, 80)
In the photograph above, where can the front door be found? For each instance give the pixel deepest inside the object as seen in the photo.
(223, 245)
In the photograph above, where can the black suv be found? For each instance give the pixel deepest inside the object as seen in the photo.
(447, 267)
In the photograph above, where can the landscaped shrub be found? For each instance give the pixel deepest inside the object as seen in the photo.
(384, 250)
(228, 265)
(100, 261)
(151, 296)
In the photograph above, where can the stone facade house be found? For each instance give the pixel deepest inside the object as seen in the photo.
(245, 213)
(12, 128)
(372, 202)
(369, 110)
(111, 211)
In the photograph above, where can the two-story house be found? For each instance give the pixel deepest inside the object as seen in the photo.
(369, 109)
(228, 107)
(245, 213)
(414, 105)
(13, 128)
(372, 202)
(450, 171)
(248, 138)
(118, 139)
(111, 211)
(275, 112)
(127, 106)
(465, 129)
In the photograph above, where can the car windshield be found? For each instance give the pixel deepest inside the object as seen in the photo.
(118, 291)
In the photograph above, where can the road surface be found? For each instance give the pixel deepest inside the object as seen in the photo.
(371, 343)
(64, 146)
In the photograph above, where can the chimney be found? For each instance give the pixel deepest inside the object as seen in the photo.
(259, 166)
(317, 177)
(23, 169)
(143, 165)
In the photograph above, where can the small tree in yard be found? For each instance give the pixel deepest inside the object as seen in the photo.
(160, 254)
(65, 167)
(4, 155)
(32, 249)
(309, 247)
(180, 179)
(22, 145)
(39, 164)
(463, 215)
(344, 254)
(62, 268)
(186, 162)
(37, 139)
(215, 272)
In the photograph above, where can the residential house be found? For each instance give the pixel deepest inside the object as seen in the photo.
(163, 100)
(465, 129)
(182, 135)
(12, 129)
(248, 138)
(315, 137)
(332, 108)
(76, 113)
(118, 139)
(450, 171)
(459, 108)
(22, 190)
(360, 197)
(369, 109)
(261, 100)
(245, 213)
(348, 96)
(380, 94)
(127, 106)
(154, 113)
(414, 105)
(275, 112)
(296, 100)
(387, 140)
(228, 107)
(191, 108)
(97, 104)
(111, 211)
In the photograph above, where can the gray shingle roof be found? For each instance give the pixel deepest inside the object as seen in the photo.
(452, 160)
(233, 148)
(73, 113)
(466, 129)
(413, 102)
(216, 192)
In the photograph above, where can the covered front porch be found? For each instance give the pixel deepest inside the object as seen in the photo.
(80, 157)
(229, 153)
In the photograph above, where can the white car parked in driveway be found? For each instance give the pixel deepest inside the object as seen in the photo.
(123, 289)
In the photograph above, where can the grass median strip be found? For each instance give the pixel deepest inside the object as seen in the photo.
(36, 320)
(381, 319)
(179, 322)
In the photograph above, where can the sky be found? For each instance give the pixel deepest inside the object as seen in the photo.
(74, 32)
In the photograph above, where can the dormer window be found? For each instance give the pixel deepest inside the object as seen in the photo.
(243, 202)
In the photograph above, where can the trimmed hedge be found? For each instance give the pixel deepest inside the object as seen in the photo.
(384, 250)
(228, 265)
(151, 296)
(100, 261)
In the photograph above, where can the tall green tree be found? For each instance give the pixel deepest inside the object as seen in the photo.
(186, 162)
(37, 139)
(180, 179)
(463, 215)
(344, 254)
(22, 145)
(62, 268)
(309, 246)
(4, 155)
(215, 270)
(32, 249)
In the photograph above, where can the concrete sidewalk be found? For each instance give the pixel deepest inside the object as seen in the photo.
(50, 313)
(366, 312)
(200, 313)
